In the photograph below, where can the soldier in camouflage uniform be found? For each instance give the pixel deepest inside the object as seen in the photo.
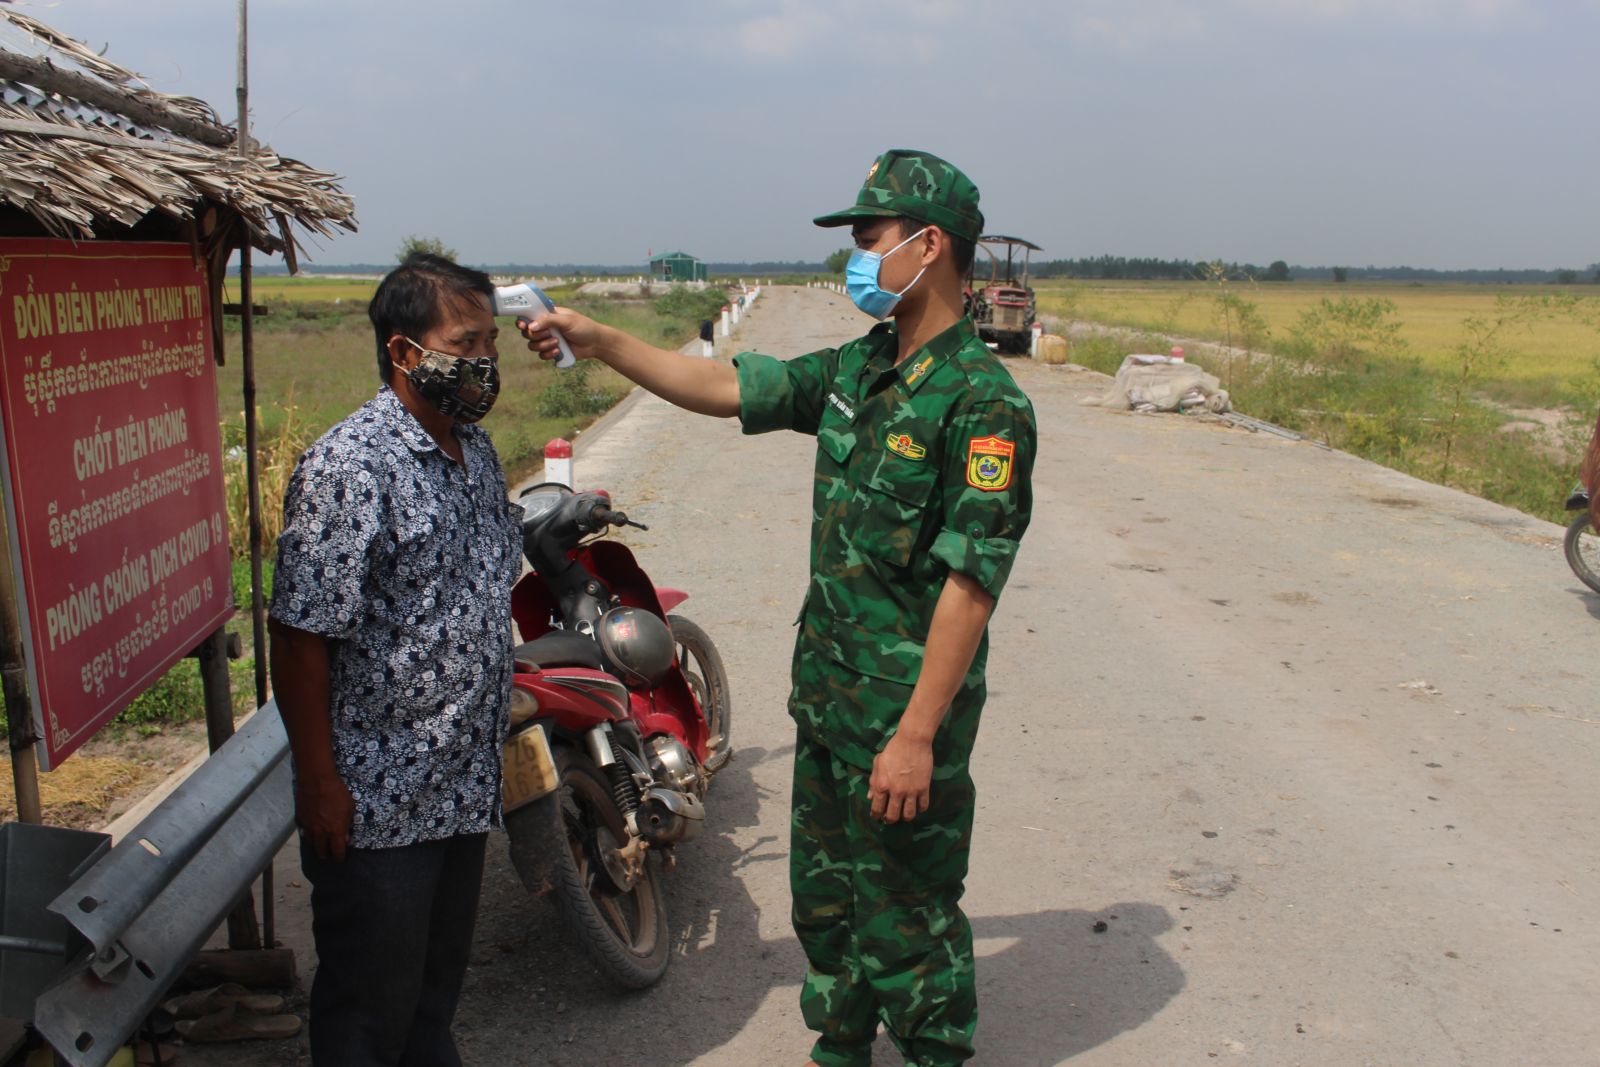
(925, 450)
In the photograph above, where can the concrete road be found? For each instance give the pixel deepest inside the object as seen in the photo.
(1287, 760)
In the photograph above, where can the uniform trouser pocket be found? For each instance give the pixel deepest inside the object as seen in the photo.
(877, 910)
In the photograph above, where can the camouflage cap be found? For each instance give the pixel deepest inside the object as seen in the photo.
(916, 185)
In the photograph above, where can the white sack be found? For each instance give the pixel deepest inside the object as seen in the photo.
(1146, 383)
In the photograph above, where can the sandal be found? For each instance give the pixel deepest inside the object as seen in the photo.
(218, 998)
(230, 1025)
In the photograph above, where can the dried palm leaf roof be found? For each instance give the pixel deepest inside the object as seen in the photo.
(84, 141)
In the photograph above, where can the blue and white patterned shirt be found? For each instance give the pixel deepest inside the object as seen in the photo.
(404, 560)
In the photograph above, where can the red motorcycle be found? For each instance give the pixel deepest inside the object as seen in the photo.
(619, 718)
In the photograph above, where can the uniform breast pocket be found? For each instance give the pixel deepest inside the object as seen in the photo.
(895, 501)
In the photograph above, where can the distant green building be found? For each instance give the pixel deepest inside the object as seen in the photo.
(677, 267)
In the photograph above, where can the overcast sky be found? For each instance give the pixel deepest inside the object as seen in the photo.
(1438, 133)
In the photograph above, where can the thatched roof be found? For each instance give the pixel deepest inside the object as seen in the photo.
(84, 143)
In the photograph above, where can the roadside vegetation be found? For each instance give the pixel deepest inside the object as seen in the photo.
(1487, 389)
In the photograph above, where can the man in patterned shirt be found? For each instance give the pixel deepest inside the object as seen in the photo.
(391, 664)
(924, 454)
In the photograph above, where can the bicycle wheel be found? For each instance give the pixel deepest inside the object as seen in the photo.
(1583, 551)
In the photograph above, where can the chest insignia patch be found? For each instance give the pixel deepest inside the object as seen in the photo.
(841, 405)
(989, 463)
(919, 370)
(901, 444)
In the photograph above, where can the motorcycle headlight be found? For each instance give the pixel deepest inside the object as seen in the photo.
(523, 706)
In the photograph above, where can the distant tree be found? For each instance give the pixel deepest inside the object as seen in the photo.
(1341, 274)
(417, 243)
(834, 264)
(1566, 277)
(1277, 271)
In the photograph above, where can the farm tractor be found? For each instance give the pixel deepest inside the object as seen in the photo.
(1003, 310)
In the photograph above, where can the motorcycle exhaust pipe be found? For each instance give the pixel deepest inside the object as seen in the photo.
(667, 816)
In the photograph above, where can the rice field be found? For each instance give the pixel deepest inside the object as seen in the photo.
(281, 287)
(1546, 364)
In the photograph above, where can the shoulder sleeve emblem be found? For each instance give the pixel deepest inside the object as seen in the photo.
(989, 463)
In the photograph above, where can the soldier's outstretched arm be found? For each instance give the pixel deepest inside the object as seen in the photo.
(700, 385)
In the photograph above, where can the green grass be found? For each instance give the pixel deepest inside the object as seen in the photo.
(1418, 377)
(1394, 410)
(1549, 362)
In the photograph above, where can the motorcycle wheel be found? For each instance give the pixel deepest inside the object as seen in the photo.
(1583, 551)
(562, 843)
(702, 665)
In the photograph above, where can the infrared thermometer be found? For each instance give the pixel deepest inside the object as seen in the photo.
(525, 300)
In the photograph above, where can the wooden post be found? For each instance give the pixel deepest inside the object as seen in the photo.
(213, 656)
(217, 687)
(247, 347)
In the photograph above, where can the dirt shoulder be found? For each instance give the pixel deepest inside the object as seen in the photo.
(108, 775)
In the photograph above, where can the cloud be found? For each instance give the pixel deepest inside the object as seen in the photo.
(1412, 11)
(925, 10)
(1130, 26)
(786, 34)
(784, 31)
(1127, 27)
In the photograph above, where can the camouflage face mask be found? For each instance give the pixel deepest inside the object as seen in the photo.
(464, 389)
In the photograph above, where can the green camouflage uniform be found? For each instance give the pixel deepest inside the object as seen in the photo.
(922, 469)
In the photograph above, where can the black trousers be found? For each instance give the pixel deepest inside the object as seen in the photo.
(393, 929)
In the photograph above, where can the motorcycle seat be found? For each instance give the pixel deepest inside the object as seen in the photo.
(562, 648)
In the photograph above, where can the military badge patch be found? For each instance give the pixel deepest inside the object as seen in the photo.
(989, 463)
(902, 444)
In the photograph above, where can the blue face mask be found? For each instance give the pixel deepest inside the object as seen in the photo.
(861, 279)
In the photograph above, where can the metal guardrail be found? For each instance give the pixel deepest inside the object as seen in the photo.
(35, 946)
(149, 904)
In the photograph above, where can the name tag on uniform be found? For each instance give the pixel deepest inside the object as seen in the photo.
(842, 406)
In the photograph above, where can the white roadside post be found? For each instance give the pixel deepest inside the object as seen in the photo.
(725, 320)
(1033, 342)
(558, 462)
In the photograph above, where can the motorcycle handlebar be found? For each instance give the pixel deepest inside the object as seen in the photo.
(603, 515)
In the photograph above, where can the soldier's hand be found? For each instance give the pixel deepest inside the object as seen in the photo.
(902, 777)
(581, 332)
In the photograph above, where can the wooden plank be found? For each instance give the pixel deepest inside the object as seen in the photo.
(42, 74)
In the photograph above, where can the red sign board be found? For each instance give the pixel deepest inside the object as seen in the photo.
(113, 469)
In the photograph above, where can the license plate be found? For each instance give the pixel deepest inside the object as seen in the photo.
(528, 770)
